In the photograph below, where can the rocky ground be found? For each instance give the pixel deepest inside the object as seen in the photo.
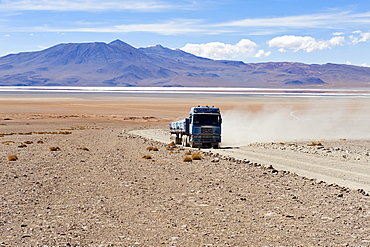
(92, 183)
(341, 149)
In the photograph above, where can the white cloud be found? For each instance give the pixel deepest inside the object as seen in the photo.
(171, 27)
(323, 20)
(217, 50)
(306, 43)
(338, 33)
(262, 53)
(84, 5)
(359, 36)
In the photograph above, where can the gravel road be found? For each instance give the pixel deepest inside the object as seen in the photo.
(337, 162)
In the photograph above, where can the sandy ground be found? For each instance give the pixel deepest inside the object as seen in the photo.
(97, 189)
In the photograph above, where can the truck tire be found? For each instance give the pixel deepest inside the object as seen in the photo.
(178, 139)
(187, 141)
(183, 141)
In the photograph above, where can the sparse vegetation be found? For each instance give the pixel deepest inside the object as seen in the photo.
(188, 159)
(13, 157)
(148, 157)
(65, 132)
(172, 144)
(196, 156)
(187, 153)
(314, 144)
(25, 133)
(55, 149)
(38, 133)
(152, 149)
(84, 148)
(8, 142)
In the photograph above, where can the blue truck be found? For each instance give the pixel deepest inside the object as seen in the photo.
(201, 129)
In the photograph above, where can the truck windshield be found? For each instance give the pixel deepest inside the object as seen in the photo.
(207, 119)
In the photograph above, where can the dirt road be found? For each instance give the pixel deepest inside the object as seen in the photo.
(349, 169)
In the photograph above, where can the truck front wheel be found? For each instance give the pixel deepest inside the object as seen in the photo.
(183, 140)
(187, 141)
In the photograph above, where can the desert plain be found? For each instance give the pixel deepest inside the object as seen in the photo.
(73, 173)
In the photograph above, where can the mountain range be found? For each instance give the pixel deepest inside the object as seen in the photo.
(120, 64)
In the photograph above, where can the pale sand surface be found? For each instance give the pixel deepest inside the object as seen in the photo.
(97, 190)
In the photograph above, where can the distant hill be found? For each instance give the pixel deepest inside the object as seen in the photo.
(119, 64)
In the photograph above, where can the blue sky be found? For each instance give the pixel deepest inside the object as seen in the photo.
(314, 31)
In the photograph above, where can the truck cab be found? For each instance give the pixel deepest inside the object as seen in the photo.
(201, 129)
(205, 126)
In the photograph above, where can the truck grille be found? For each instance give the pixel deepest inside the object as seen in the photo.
(207, 131)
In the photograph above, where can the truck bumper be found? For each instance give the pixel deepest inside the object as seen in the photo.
(202, 141)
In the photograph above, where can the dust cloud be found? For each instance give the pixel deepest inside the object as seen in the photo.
(284, 123)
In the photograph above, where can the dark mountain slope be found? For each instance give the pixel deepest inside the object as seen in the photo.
(119, 64)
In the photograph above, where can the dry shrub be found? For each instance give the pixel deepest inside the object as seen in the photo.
(84, 148)
(22, 145)
(152, 149)
(314, 144)
(55, 149)
(40, 141)
(196, 156)
(187, 153)
(148, 157)
(13, 157)
(172, 144)
(28, 142)
(64, 132)
(27, 133)
(188, 159)
(8, 142)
